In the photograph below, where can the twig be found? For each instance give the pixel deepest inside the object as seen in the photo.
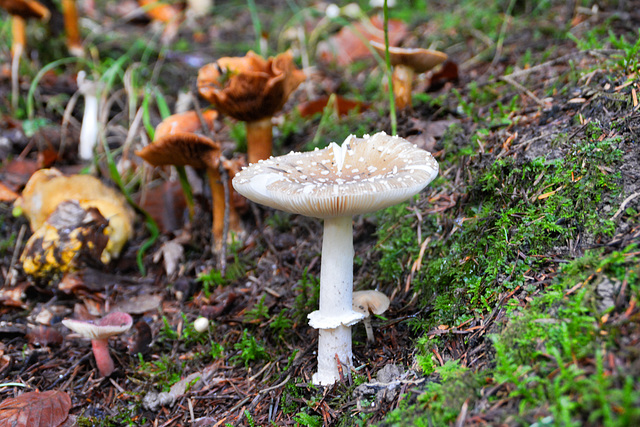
(624, 204)
(224, 177)
(521, 88)
(565, 58)
(14, 257)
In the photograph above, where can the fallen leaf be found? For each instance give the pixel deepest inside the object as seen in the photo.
(44, 336)
(139, 304)
(34, 409)
(347, 46)
(140, 341)
(171, 253)
(342, 105)
(6, 194)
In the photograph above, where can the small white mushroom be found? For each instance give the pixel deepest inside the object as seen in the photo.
(367, 303)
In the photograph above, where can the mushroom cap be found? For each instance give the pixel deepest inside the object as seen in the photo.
(418, 59)
(182, 149)
(26, 9)
(112, 324)
(370, 301)
(363, 175)
(184, 122)
(250, 88)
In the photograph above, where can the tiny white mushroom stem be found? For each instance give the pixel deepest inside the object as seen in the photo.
(89, 129)
(336, 289)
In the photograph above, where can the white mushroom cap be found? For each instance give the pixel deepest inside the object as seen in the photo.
(363, 175)
(112, 324)
(371, 301)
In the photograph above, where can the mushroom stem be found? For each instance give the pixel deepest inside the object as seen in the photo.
(369, 329)
(89, 127)
(219, 202)
(402, 78)
(103, 359)
(19, 34)
(336, 314)
(259, 140)
(19, 42)
(70, 13)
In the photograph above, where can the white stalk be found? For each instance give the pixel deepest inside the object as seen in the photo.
(89, 129)
(336, 314)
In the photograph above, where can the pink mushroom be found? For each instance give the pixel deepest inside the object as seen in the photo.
(99, 332)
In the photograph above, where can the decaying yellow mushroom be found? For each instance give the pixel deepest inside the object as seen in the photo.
(49, 188)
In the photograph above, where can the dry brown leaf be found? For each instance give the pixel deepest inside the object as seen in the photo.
(6, 194)
(347, 46)
(342, 105)
(34, 409)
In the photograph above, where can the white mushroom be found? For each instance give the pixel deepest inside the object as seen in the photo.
(322, 184)
(367, 303)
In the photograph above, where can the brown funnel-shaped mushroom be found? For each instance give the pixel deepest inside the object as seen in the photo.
(199, 152)
(251, 89)
(406, 63)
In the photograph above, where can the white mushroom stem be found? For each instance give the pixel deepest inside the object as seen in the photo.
(336, 315)
(89, 129)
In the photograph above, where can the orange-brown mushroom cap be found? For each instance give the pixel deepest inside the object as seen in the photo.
(26, 9)
(418, 59)
(182, 149)
(186, 122)
(250, 88)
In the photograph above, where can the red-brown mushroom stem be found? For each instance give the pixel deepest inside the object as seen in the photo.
(402, 78)
(102, 356)
(259, 140)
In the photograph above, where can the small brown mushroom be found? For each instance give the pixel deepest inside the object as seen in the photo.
(407, 62)
(20, 10)
(199, 152)
(251, 89)
(99, 332)
(367, 303)
(186, 122)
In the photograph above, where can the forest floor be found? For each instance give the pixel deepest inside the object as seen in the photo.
(514, 277)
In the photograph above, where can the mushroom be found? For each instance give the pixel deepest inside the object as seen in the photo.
(200, 152)
(251, 89)
(367, 303)
(406, 62)
(184, 122)
(48, 188)
(360, 176)
(99, 332)
(20, 10)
